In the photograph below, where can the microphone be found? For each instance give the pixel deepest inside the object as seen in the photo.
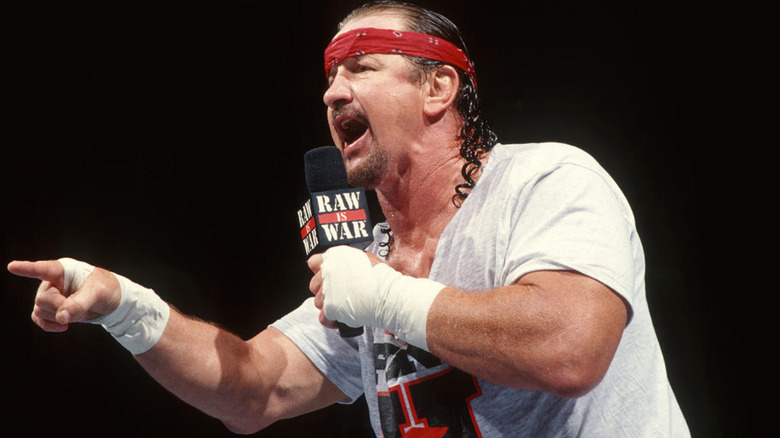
(334, 214)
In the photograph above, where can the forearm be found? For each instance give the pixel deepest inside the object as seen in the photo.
(530, 337)
(246, 384)
(554, 331)
(199, 363)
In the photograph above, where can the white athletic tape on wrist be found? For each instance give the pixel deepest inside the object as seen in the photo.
(358, 294)
(139, 320)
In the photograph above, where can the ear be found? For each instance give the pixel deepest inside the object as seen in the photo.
(442, 89)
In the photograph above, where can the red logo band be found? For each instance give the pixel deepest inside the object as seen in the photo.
(342, 216)
(370, 40)
(307, 228)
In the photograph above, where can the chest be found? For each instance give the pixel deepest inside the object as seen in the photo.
(412, 261)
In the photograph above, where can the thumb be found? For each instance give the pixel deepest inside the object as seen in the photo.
(73, 309)
(99, 295)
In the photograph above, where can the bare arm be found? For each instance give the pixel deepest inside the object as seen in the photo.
(553, 331)
(246, 384)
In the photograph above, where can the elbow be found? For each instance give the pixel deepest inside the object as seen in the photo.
(248, 416)
(239, 429)
(578, 366)
(563, 378)
(575, 375)
(242, 429)
(567, 373)
(245, 426)
(573, 383)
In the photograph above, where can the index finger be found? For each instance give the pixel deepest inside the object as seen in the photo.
(315, 262)
(49, 270)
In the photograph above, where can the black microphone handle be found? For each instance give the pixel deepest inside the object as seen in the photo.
(349, 332)
(324, 170)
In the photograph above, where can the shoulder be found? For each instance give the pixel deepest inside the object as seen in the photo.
(539, 156)
(549, 172)
(522, 164)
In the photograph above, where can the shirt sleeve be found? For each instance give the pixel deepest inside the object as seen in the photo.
(572, 218)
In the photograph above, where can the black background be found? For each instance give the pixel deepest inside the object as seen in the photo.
(164, 140)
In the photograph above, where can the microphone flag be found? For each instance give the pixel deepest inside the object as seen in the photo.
(334, 214)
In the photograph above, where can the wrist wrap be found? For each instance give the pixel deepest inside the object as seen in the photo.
(358, 294)
(139, 320)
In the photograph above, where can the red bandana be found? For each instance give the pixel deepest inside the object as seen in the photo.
(369, 40)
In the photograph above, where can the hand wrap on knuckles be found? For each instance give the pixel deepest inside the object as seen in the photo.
(358, 294)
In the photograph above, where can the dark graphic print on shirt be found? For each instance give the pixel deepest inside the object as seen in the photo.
(421, 397)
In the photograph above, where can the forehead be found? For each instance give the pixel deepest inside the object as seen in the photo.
(378, 20)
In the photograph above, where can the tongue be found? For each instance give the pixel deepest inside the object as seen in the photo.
(354, 129)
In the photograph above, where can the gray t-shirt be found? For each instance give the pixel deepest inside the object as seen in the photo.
(536, 207)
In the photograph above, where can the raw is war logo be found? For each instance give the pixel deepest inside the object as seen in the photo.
(419, 396)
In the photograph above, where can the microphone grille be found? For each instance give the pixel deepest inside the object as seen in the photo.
(324, 169)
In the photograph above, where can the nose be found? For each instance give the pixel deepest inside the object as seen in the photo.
(339, 92)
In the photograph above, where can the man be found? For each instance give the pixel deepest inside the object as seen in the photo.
(507, 297)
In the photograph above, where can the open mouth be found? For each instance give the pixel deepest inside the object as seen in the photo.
(350, 128)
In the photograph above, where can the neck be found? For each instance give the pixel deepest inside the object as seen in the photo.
(417, 203)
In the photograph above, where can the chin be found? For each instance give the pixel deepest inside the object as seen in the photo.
(366, 175)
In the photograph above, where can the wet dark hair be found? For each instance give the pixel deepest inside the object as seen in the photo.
(478, 137)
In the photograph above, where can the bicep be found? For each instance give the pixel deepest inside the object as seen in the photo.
(580, 323)
(297, 386)
(554, 331)
(589, 311)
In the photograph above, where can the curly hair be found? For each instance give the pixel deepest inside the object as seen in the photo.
(478, 137)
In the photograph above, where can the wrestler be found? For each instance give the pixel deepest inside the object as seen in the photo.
(504, 295)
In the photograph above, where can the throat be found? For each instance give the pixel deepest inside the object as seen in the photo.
(413, 260)
(417, 202)
(415, 237)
